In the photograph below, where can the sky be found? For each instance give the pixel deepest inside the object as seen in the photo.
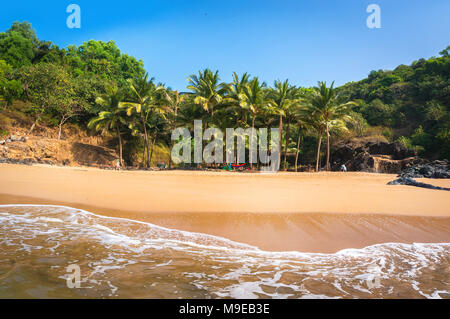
(303, 41)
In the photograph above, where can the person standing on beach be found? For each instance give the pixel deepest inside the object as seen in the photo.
(117, 165)
(343, 168)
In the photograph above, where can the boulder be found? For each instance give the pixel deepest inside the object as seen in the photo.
(396, 150)
(380, 157)
(436, 169)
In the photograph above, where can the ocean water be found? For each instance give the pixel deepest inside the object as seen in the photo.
(121, 258)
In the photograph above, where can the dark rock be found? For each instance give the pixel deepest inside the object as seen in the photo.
(412, 182)
(396, 150)
(373, 157)
(436, 169)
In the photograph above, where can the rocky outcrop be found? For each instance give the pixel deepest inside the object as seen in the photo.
(436, 169)
(37, 150)
(379, 157)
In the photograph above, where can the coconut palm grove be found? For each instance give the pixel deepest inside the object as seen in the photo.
(96, 88)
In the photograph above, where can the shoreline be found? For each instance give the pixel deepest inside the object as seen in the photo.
(240, 207)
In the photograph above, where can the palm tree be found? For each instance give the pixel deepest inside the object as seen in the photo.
(281, 98)
(112, 118)
(291, 116)
(315, 120)
(173, 101)
(325, 102)
(234, 94)
(254, 100)
(303, 125)
(156, 124)
(207, 89)
(146, 101)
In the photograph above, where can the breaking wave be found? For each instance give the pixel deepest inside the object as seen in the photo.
(122, 258)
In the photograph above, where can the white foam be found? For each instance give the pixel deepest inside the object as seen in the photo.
(344, 271)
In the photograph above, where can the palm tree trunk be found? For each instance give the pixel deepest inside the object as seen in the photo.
(143, 155)
(280, 132)
(286, 144)
(318, 151)
(298, 149)
(120, 144)
(253, 131)
(328, 147)
(153, 145)
(173, 128)
(146, 139)
(170, 154)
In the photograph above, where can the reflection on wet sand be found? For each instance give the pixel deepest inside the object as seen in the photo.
(130, 259)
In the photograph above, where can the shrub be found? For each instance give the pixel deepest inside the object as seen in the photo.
(3, 133)
(405, 141)
(4, 121)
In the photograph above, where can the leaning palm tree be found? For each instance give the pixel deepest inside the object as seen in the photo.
(316, 122)
(207, 89)
(112, 118)
(325, 102)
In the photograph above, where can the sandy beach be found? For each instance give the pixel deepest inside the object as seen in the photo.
(310, 212)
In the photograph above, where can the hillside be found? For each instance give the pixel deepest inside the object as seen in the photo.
(413, 101)
(76, 147)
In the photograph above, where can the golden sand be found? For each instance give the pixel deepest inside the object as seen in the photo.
(315, 212)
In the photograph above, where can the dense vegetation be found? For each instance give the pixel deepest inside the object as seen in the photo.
(413, 100)
(98, 88)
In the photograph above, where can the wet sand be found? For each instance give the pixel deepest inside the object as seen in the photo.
(307, 212)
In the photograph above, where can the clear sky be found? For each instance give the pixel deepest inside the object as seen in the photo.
(304, 41)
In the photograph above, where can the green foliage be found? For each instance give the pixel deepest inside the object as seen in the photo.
(74, 84)
(443, 138)
(421, 138)
(416, 96)
(357, 123)
(207, 88)
(9, 89)
(405, 142)
(103, 59)
(3, 133)
(4, 121)
(51, 90)
(16, 45)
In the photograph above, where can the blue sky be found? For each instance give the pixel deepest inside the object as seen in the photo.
(304, 41)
